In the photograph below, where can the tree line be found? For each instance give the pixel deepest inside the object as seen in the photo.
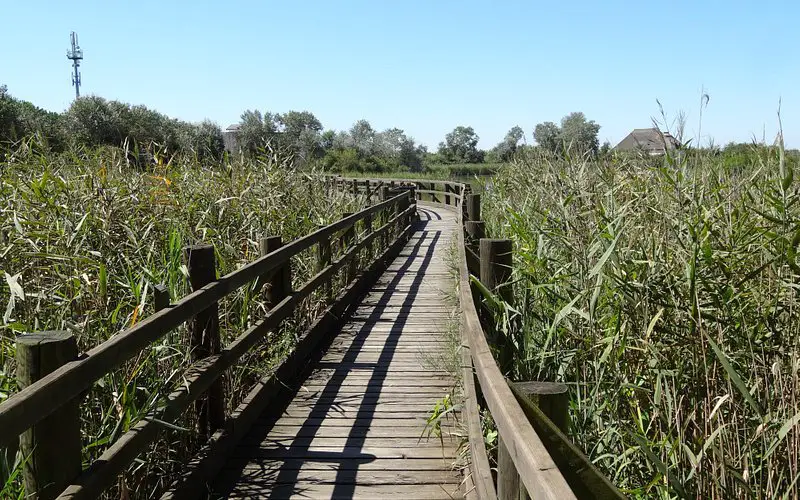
(93, 121)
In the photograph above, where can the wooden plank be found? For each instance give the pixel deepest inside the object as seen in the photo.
(388, 464)
(345, 476)
(308, 490)
(403, 388)
(417, 421)
(365, 432)
(347, 452)
(311, 442)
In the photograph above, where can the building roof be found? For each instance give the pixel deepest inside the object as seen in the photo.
(233, 128)
(650, 140)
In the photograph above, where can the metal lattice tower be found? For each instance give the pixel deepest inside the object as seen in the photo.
(76, 54)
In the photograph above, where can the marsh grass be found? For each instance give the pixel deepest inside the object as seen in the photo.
(666, 296)
(84, 238)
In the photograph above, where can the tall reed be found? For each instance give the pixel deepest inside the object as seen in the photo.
(84, 238)
(666, 294)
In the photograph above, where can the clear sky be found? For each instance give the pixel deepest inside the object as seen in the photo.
(423, 66)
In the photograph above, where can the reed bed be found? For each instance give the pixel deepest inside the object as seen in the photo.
(665, 293)
(84, 238)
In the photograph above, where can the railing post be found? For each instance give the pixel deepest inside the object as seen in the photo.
(367, 232)
(160, 297)
(355, 186)
(496, 265)
(278, 288)
(323, 261)
(473, 207)
(508, 483)
(348, 238)
(53, 446)
(412, 200)
(553, 399)
(447, 190)
(385, 217)
(205, 340)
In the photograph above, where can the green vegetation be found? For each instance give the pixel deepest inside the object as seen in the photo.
(84, 238)
(93, 121)
(664, 292)
(576, 134)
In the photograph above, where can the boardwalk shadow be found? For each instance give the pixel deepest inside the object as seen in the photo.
(280, 467)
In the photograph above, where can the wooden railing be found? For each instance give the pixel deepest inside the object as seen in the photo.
(44, 414)
(535, 457)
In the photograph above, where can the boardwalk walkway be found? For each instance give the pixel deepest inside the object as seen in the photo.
(356, 428)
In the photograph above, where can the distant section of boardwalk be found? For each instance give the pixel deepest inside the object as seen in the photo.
(356, 428)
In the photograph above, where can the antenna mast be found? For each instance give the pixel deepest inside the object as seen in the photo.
(76, 54)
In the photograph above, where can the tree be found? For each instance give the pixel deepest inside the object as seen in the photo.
(362, 136)
(300, 133)
(327, 140)
(206, 141)
(575, 134)
(256, 131)
(547, 135)
(506, 148)
(94, 121)
(399, 150)
(461, 146)
(579, 134)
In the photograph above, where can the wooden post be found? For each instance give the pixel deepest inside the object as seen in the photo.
(508, 483)
(447, 190)
(348, 238)
(205, 339)
(496, 265)
(323, 261)
(367, 232)
(54, 444)
(160, 297)
(276, 284)
(476, 230)
(385, 217)
(473, 207)
(355, 186)
(553, 399)
(465, 191)
(412, 200)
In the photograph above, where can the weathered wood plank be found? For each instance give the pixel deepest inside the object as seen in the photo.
(389, 492)
(378, 464)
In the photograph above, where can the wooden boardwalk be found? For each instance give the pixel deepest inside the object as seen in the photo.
(356, 428)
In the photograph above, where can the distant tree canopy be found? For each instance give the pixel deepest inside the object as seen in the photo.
(576, 134)
(363, 149)
(93, 121)
(461, 146)
(505, 149)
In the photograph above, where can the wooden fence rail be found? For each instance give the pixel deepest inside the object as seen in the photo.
(535, 457)
(60, 386)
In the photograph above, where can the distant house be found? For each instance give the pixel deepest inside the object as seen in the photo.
(229, 138)
(649, 140)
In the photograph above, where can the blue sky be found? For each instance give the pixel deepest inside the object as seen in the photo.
(423, 66)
